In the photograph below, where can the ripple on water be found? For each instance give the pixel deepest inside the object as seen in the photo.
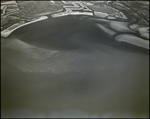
(69, 114)
(66, 113)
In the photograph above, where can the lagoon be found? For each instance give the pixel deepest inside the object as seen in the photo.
(69, 65)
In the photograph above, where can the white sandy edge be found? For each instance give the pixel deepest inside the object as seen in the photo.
(8, 2)
(71, 13)
(7, 32)
(110, 17)
(100, 14)
(133, 40)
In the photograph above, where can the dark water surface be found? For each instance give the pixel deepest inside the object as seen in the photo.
(88, 74)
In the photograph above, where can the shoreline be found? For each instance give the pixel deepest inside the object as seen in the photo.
(9, 30)
(66, 13)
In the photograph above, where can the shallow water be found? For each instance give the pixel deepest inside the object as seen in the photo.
(71, 67)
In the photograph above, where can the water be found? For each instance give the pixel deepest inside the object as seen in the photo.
(66, 66)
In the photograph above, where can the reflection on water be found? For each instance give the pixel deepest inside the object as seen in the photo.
(66, 68)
